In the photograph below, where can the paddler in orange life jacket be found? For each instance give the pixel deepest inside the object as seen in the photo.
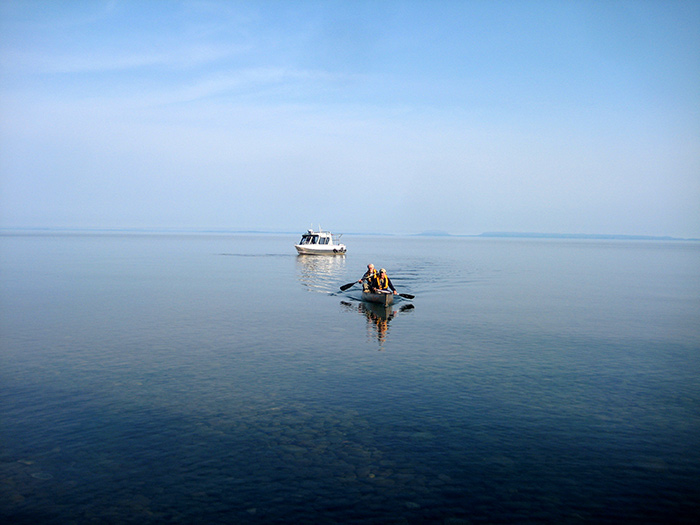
(369, 277)
(383, 282)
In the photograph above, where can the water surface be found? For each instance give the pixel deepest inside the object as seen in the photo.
(222, 378)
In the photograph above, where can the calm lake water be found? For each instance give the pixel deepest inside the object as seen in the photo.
(224, 379)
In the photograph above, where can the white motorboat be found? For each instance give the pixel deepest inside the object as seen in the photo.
(320, 243)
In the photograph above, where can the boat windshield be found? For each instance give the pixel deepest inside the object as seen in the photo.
(309, 239)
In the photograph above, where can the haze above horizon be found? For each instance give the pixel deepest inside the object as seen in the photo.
(382, 117)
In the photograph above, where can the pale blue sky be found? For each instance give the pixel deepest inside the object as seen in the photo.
(381, 117)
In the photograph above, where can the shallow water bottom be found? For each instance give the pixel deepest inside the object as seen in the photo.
(221, 380)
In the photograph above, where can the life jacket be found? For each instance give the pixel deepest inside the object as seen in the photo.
(382, 283)
(371, 276)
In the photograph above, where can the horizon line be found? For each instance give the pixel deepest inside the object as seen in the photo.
(426, 233)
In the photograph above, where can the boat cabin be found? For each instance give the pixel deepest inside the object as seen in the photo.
(316, 238)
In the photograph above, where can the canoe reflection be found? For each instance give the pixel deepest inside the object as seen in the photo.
(320, 273)
(378, 318)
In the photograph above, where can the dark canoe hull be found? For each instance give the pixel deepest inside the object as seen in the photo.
(384, 299)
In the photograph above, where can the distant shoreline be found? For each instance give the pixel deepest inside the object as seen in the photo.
(583, 236)
(429, 233)
(598, 237)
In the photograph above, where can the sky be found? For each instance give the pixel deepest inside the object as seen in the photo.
(359, 116)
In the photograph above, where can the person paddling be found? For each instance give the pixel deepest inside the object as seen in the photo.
(369, 278)
(384, 283)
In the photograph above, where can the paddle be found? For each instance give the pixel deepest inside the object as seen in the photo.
(350, 285)
(404, 295)
(346, 286)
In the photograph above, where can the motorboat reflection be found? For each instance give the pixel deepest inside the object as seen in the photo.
(378, 317)
(320, 274)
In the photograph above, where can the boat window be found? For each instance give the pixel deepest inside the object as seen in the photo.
(324, 240)
(314, 239)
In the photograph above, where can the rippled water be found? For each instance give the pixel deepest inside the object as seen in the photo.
(224, 379)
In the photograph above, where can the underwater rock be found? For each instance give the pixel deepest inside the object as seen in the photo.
(42, 475)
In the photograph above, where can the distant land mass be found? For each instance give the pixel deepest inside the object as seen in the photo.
(594, 236)
(531, 235)
(434, 233)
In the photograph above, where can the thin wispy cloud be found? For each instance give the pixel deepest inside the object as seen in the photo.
(477, 117)
(100, 61)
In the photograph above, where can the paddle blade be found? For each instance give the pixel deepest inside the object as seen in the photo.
(346, 286)
(407, 295)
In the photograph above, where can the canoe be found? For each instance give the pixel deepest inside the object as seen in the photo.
(380, 298)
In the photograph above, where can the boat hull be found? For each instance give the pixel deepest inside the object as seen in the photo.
(384, 299)
(320, 250)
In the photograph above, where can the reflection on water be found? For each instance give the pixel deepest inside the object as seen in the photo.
(323, 274)
(320, 273)
(378, 317)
